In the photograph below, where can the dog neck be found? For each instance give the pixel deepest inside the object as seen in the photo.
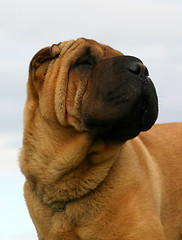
(65, 169)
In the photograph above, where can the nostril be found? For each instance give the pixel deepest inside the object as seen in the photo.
(146, 73)
(138, 69)
(135, 68)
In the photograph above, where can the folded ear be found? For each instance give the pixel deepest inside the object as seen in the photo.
(44, 55)
(41, 60)
(39, 66)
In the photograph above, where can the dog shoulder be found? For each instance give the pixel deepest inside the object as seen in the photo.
(163, 131)
(164, 140)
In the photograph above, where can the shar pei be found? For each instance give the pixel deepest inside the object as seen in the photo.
(92, 169)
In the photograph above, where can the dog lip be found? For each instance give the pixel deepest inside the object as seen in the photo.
(145, 123)
(140, 118)
(151, 106)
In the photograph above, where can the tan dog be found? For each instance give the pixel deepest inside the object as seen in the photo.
(84, 180)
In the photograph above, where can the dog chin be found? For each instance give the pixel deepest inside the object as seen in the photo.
(121, 129)
(114, 131)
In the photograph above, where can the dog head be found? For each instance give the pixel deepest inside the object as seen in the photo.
(91, 87)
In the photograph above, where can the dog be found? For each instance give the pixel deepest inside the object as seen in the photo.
(93, 170)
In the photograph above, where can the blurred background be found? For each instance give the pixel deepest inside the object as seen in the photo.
(150, 30)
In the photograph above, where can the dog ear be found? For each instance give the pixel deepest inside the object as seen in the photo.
(38, 69)
(45, 54)
(41, 60)
(39, 66)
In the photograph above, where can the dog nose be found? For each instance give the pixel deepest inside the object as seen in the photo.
(138, 68)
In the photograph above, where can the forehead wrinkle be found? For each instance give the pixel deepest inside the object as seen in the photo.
(64, 46)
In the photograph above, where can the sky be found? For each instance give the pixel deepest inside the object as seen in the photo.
(150, 30)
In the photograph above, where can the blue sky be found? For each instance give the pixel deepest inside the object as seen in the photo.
(150, 30)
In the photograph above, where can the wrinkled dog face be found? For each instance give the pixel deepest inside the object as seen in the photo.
(93, 88)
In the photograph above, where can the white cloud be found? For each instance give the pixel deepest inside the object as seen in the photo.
(179, 68)
(19, 237)
(9, 149)
(13, 210)
(16, 215)
(42, 21)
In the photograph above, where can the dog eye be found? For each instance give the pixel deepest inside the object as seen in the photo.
(85, 62)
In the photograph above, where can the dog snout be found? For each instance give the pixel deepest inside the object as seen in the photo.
(130, 64)
(125, 96)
